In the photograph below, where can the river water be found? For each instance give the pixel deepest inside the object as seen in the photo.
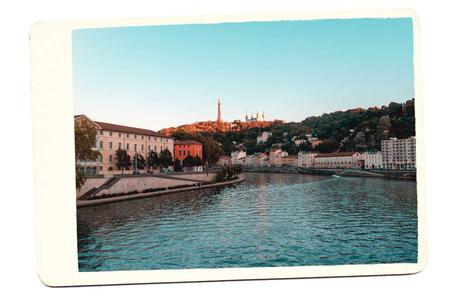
(268, 220)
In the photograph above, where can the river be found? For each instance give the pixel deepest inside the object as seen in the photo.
(268, 220)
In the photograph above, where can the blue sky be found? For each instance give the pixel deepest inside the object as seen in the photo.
(161, 76)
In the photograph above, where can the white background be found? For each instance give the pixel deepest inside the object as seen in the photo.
(439, 38)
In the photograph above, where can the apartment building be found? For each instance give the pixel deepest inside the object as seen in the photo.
(399, 154)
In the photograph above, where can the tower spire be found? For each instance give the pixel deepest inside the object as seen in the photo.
(219, 115)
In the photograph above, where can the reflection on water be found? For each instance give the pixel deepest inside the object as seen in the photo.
(269, 220)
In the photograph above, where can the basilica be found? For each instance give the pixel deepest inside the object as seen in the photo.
(260, 117)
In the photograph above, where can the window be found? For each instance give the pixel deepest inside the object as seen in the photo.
(127, 135)
(119, 145)
(101, 133)
(142, 146)
(110, 133)
(119, 135)
(149, 137)
(101, 144)
(156, 149)
(141, 137)
(110, 144)
(110, 158)
(135, 136)
(135, 147)
(127, 146)
(149, 147)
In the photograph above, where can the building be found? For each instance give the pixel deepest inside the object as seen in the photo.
(275, 157)
(224, 160)
(399, 154)
(260, 117)
(289, 161)
(264, 137)
(237, 157)
(373, 160)
(111, 137)
(185, 148)
(339, 160)
(306, 159)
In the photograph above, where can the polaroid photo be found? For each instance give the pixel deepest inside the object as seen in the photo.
(228, 147)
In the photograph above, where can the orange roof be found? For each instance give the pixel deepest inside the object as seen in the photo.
(338, 154)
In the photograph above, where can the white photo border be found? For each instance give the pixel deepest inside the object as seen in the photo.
(54, 166)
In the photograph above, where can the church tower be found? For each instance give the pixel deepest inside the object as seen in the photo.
(219, 115)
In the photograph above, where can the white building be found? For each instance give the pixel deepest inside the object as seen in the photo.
(399, 153)
(237, 157)
(373, 160)
(306, 159)
(339, 160)
(264, 137)
(275, 157)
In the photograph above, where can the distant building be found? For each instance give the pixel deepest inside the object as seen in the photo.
(275, 157)
(224, 160)
(219, 112)
(373, 160)
(185, 148)
(299, 141)
(264, 137)
(259, 117)
(339, 160)
(289, 161)
(399, 153)
(306, 159)
(111, 137)
(315, 141)
(237, 157)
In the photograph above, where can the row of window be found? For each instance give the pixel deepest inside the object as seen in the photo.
(110, 146)
(127, 135)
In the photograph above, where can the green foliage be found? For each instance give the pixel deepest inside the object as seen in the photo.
(85, 139)
(152, 160)
(165, 158)
(138, 161)
(122, 160)
(228, 172)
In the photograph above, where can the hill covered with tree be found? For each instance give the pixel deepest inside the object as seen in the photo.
(355, 129)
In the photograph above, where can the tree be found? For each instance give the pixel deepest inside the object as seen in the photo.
(122, 160)
(177, 165)
(327, 146)
(139, 161)
(152, 160)
(165, 158)
(189, 161)
(85, 140)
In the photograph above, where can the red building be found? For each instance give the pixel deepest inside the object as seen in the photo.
(185, 148)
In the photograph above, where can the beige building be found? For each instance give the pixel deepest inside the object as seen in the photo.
(237, 157)
(306, 159)
(399, 153)
(373, 160)
(339, 160)
(111, 137)
(275, 157)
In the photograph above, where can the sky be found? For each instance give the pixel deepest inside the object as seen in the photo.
(161, 76)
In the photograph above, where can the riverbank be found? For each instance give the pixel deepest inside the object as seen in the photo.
(390, 174)
(99, 201)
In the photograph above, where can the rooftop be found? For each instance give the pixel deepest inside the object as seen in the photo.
(187, 142)
(125, 129)
(337, 154)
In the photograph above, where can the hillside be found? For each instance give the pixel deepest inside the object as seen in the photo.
(355, 129)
